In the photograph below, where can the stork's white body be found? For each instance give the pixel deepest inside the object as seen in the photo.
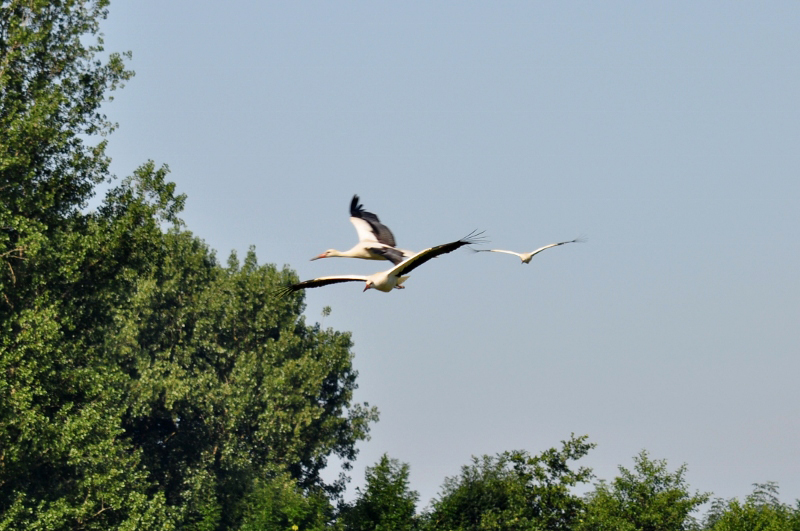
(375, 240)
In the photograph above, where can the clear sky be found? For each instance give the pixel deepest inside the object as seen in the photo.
(667, 133)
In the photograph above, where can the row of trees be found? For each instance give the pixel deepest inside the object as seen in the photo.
(514, 491)
(146, 385)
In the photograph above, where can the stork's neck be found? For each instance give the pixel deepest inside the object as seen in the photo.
(350, 253)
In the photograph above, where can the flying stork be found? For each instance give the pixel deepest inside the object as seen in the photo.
(375, 240)
(526, 257)
(393, 278)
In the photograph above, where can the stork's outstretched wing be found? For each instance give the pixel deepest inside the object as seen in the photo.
(368, 226)
(423, 256)
(540, 249)
(322, 281)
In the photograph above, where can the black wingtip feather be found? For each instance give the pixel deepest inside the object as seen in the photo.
(283, 292)
(355, 208)
(475, 237)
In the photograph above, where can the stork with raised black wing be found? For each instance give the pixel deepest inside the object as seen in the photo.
(393, 278)
(526, 257)
(375, 240)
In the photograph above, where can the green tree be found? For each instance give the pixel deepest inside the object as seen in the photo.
(60, 464)
(64, 458)
(230, 383)
(649, 498)
(142, 384)
(386, 503)
(761, 511)
(280, 504)
(514, 491)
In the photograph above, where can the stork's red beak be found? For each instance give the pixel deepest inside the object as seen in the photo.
(366, 287)
(319, 256)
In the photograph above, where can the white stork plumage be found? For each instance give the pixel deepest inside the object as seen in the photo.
(526, 257)
(375, 240)
(393, 278)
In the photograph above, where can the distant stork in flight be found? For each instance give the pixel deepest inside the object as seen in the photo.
(526, 257)
(375, 240)
(393, 278)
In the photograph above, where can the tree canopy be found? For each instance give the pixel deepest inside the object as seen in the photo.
(386, 503)
(760, 511)
(142, 383)
(647, 498)
(514, 491)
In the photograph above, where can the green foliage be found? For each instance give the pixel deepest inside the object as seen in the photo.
(52, 85)
(649, 498)
(514, 491)
(761, 511)
(142, 385)
(148, 382)
(65, 460)
(386, 503)
(279, 504)
(229, 380)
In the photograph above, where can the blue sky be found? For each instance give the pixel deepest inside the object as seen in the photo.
(666, 133)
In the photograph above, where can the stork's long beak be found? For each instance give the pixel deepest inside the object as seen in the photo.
(366, 287)
(319, 256)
